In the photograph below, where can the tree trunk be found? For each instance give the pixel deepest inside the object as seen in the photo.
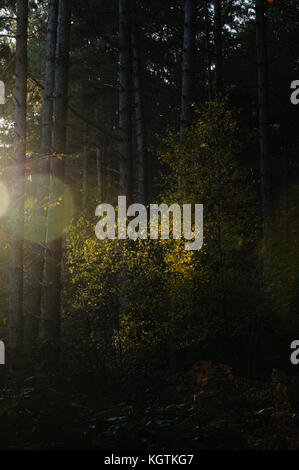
(139, 110)
(125, 152)
(218, 47)
(262, 72)
(99, 156)
(35, 275)
(51, 326)
(84, 179)
(125, 123)
(49, 82)
(84, 171)
(18, 182)
(208, 51)
(187, 65)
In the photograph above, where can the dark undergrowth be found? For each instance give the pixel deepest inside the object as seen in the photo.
(205, 408)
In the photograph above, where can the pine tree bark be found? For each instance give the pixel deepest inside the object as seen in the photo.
(35, 275)
(49, 81)
(99, 157)
(218, 47)
(84, 179)
(208, 50)
(51, 323)
(15, 324)
(125, 147)
(84, 171)
(262, 75)
(139, 112)
(187, 65)
(125, 96)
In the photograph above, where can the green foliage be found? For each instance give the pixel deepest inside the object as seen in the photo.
(127, 304)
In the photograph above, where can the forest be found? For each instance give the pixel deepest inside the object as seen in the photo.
(179, 330)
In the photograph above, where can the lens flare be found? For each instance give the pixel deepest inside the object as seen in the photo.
(4, 200)
(60, 209)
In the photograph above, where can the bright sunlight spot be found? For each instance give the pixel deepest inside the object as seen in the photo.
(4, 199)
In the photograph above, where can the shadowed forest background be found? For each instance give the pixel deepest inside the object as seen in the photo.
(125, 344)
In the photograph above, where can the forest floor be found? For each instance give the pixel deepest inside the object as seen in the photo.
(206, 408)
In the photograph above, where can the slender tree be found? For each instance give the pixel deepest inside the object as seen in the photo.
(33, 300)
(262, 75)
(185, 120)
(51, 324)
(125, 95)
(218, 47)
(49, 82)
(15, 326)
(208, 49)
(84, 170)
(139, 110)
(99, 160)
(125, 152)
(187, 65)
